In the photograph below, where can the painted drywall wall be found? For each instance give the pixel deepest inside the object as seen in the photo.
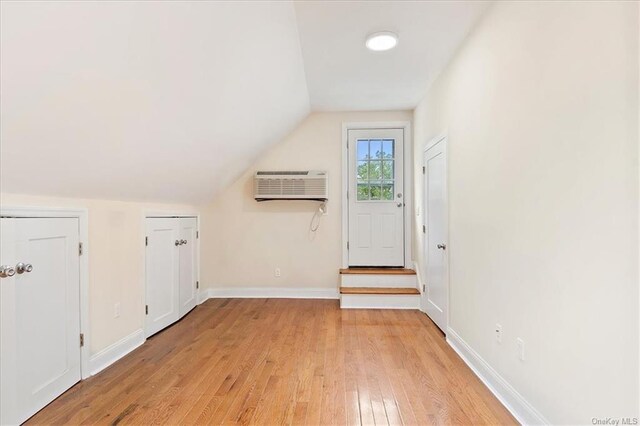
(116, 260)
(141, 91)
(244, 241)
(541, 109)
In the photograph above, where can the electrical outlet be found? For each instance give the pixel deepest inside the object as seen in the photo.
(116, 310)
(498, 333)
(520, 344)
(277, 272)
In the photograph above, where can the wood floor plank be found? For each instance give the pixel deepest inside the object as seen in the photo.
(283, 361)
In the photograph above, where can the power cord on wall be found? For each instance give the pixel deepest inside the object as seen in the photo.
(315, 220)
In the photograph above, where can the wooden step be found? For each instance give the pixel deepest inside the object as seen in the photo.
(378, 290)
(377, 271)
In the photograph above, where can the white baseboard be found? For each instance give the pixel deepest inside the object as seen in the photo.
(524, 412)
(268, 293)
(114, 352)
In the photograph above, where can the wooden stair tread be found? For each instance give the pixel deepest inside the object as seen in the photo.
(378, 290)
(377, 271)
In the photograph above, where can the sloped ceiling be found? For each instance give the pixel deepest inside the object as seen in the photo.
(171, 101)
(144, 100)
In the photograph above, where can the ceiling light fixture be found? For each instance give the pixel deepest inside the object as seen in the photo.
(381, 41)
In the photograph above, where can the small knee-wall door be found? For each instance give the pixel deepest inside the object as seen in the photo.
(188, 261)
(171, 270)
(162, 273)
(39, 313)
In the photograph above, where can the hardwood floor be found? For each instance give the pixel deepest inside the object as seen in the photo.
(283, 361)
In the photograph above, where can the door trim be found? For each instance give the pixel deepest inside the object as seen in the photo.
(423, 294)
(408, 182)
(167, 214)
(82, 214)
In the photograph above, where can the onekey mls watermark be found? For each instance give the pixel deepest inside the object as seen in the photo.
(614, 421)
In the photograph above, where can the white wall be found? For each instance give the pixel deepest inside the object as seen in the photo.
(116, 260)
(243, 241)
(541, 109)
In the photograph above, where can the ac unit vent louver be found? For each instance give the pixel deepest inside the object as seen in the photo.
(291, 185)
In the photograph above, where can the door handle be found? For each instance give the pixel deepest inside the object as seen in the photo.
(442, 246)
(183, 242)
(7, 271)
(23, 267)
(399, 204)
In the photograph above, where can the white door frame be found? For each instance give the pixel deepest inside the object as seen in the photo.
(408, 182)
(167, 214)
(82, 214)
(423, 294)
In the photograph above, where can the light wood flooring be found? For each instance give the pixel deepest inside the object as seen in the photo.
(284, 361)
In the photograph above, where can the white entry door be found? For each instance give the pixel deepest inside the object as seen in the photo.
(39, 314)
(376, 197)
(162, 273)
(435, 299)
(188, 252)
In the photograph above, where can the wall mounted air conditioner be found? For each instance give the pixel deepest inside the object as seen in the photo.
(291, 185)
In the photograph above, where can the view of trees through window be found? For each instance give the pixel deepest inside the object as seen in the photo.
(375, 169)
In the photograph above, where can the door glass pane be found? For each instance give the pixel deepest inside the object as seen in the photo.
(375, 170)
(387, 148)
(363, 192)
(387, 191)
(363, 170)
(387, 169)
(363, 149)
(375, 192)
(375, 149)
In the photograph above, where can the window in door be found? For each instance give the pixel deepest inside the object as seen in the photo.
(375, 170)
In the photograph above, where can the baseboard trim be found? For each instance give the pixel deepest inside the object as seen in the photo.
(115, 351)
(519, 407)
(268, 293)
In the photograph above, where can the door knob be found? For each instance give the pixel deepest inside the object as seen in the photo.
(7, 271)
(177, 242)
(442, 246)
(399, 204)
(183, 241)
(23, 267)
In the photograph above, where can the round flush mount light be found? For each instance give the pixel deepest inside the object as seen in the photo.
(381, 41)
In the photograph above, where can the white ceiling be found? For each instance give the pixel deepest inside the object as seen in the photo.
(171, 101)
(343, 75)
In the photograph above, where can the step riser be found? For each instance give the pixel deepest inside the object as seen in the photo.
(395, 281)
(379, 301)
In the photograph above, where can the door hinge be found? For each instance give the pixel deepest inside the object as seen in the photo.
(424, 229)
(197, 234)
(347, 195)
(146, 241)
(347, 245)
(197, 284)
(146, 309)
(79, 249)
(424, 288)
(81, 339)
(424, 169)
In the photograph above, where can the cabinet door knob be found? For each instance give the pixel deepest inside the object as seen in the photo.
(23, 267)
(442, 246)
(177, 242)
(7, 271)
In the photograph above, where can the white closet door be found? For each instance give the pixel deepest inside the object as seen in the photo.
(162, 273)
(188, 261)
(40, 314)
